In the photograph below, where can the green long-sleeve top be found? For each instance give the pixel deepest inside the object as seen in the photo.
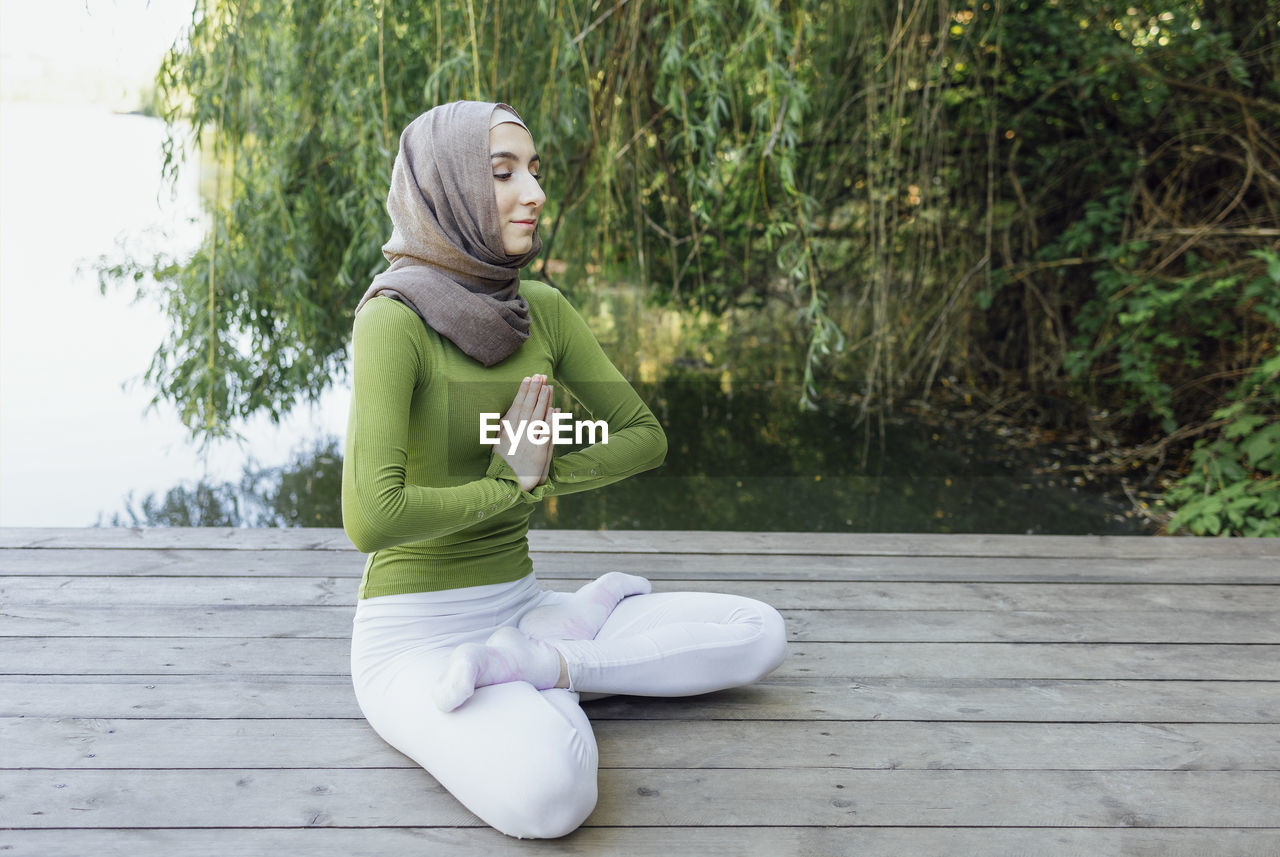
(434, 507)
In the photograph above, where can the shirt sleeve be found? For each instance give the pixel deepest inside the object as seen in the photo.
(636, 439)
(380, 507)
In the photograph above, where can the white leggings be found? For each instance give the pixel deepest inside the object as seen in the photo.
(525, 760)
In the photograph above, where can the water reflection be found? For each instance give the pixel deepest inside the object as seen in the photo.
(741, 457)
(306, 492)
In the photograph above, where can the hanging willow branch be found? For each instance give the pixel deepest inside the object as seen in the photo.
(912, 177)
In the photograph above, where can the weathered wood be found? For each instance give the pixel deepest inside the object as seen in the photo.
(1001, 598)
(169, 592)
(45, 742)
(164, 538)
(973, 695)
(679, 541)
(213, 563)
(647, 797)
(824, 626)
(832, 661)
(651, 842)
(1110, 626)
(973, 700)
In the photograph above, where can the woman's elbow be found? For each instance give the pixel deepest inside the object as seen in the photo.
(361, 538)
(368, 529)
(660, 446)
(366, 538)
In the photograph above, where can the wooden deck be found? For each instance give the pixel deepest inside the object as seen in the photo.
(186, 692)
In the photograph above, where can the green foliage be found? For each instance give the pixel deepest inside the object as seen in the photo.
(1075, 197)
(1132, 152)
(1161, 330)
(1233, 484)
(1142, 236)
(670, 136)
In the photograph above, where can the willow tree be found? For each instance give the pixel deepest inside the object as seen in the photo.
(671, 135)
(721, 153)
(1072, 197)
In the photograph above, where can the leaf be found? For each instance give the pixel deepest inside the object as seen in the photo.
(1243, 425)
(1262, 448)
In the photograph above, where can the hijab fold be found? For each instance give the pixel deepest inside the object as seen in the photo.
(447, 260)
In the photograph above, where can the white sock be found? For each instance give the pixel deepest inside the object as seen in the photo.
(508, 655)
(582, 616)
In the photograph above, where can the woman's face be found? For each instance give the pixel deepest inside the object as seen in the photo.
(515, 185)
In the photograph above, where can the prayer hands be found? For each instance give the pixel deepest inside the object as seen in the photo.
(530, 461)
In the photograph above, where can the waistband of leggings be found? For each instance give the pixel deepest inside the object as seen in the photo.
(448, 602)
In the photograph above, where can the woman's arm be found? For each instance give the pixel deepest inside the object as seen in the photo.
(636, 439)
(380, 508)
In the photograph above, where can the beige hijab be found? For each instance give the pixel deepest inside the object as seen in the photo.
(446, 255)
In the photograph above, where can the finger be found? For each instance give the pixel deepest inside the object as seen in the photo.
(526, 406)
(546, 467)
(521, 392)
(542, 404)
(518, 411)
(527, 393)
(543, 464)
(522, 405)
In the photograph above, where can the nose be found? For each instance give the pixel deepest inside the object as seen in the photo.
(531, 193)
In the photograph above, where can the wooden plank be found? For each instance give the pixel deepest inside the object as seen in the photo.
(661, 566)
(79, 743)
(980, 700)
(785, 595)
(822, 626)
(1032, 661)
(995, 683)
(650, 842)
(854, 626)
(167, 592)
(899, 544)
(1107, 626)
(192, 538)
(326, 656)
(815, 699)
(680, 541)
(651, 797)
(186, 563)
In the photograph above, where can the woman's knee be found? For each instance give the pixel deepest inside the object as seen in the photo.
(542, 783)
(553, 803)
(762, 640)
(772, 641)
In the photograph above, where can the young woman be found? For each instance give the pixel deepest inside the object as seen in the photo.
(460, 660)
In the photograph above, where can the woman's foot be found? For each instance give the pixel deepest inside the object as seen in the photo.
(508, 655)
(582, 616)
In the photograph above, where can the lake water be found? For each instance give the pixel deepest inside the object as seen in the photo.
(74, 433)
(76, 438)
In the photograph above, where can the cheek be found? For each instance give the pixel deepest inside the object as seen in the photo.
(501, 194)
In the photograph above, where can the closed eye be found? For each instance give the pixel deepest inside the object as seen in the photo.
(511, 157)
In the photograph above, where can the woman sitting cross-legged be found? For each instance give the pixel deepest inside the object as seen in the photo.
(460, 659)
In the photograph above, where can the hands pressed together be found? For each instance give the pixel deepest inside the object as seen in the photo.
(530, 461)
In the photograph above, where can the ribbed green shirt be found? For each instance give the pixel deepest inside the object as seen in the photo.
(434, 507)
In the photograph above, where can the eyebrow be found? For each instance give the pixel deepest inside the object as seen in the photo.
(512, 156)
